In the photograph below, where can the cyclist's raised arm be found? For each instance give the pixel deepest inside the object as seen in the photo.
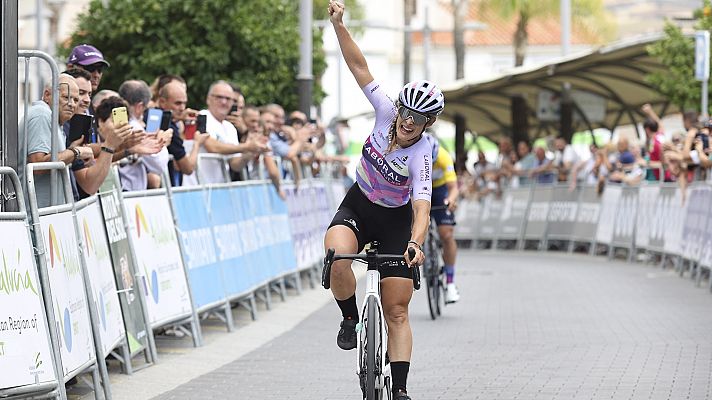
(352, 54)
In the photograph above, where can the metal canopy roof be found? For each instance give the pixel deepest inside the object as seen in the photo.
(616, 72)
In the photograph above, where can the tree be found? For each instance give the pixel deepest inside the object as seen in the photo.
(252, 43)
(589, 16)
(677, 52)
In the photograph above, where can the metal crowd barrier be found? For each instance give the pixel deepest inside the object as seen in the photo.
(115, 266)
(652, 218)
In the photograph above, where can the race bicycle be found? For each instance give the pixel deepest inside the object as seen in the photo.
(373, 367)
(434, 271)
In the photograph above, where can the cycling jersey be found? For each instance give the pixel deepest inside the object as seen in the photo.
(443, 169)
(386, 178)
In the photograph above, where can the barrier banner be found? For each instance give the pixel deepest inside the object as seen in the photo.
(538, 212)
(589, 211)
(562, 213)
(323, 214)
(661, 210)
(706, 250)
(675, 217)
(694, 227)
(606, 223)
(101, 276)
(261, 260)
(25, 356)
(467, 216)
(646, 216)
(158, 257)
(124, 270)
(68, 292)
(489, 219)
(514, 210)
(626, 215)
(281, 231)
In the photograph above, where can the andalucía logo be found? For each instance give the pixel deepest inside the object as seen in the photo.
(12, 281)
(53, 247)
(140, 221)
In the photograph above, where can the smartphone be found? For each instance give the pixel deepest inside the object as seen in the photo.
(120, 116)
(233, 109)
(79, 125)
(166, 119)
(202, 123)
(153, 117)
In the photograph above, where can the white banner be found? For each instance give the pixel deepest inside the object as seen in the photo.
(68, 293)
(608, 214)
(101, 277)
(25, 356)
(674, 219)
(646, 215)
(158, 257)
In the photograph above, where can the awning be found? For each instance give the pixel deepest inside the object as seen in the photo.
(608, 84)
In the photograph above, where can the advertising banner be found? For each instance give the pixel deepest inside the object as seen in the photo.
(661, 212)
(674, 216)
(514, 210)
(562, 214)
(538, 213)
(25, 356)
(71, 310)
(589, 211)
(606, 223)
(201, 249)
(489, 219)
(101, 276)
(626, 216)
(282, 231)
(158, 257)
(467, 216)
(121, 259)
(694, 228)
(646, 215)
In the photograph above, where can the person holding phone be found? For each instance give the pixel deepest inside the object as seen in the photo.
(390, 202)
(80, 126)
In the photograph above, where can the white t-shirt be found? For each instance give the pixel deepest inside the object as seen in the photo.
(222, 131)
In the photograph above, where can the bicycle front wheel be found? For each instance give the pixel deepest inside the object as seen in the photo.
(370, 351)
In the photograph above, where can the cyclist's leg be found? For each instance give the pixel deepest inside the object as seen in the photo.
(396, 293)
(343, 241)
(449, 250)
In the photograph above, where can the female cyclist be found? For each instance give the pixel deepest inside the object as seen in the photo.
(395, 165)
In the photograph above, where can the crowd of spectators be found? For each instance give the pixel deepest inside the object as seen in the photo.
(253, 140)
(683, 158)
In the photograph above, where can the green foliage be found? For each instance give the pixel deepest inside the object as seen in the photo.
(677, 52)
(252, 43)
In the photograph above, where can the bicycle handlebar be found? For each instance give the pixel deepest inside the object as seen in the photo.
(373, 258)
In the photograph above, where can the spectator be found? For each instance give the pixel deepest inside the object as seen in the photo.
(484, 176)
(140, 172)
(543, 167)
(235, 115)
(627, 170)
(655, 139)
(258, 131)
(565, 158)
(174, 97)
(587, 171)
(159, 83)
(282, 140)
(83, 79)
(526, 162)
(89, 173)
(100, 96)
(505, 162)
(90, 59)
(223, 134)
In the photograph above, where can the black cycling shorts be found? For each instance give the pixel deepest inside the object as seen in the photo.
(391, 227)
(441, 214)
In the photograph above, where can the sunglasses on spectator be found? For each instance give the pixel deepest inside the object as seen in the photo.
(223, 98)
(418, 118)
(97, 67)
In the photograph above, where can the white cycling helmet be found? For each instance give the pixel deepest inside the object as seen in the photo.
(422, 96)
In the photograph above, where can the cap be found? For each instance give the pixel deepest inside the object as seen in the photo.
(86, 54)
(626, 157)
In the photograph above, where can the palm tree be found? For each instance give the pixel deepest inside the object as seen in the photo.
(588, 15)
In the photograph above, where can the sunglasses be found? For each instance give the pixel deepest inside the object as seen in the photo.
(418, 118)
(97, 67)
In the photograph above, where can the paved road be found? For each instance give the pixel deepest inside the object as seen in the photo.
(529, 326)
